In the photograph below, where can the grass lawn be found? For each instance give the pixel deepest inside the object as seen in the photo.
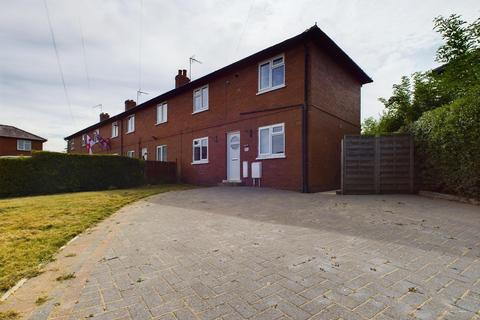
(32, 229)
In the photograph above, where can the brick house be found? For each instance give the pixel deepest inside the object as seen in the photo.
(285, 107)
(17, 142)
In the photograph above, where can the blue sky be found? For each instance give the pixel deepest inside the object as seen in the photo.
(387, 39)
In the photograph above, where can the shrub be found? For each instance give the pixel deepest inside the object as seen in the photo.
(51, 172)
(448, 147)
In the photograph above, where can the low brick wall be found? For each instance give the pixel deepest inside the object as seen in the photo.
(160, 172)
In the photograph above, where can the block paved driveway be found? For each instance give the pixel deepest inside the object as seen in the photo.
(245, 253)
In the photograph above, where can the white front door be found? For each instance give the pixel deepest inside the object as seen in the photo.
(233, 156)
(144, 153)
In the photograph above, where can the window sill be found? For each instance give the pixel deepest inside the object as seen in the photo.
(271, 156)
(113, 137)
(271, 89)
(199, 111)
(159, 123)
(130, 132)
(200, 162)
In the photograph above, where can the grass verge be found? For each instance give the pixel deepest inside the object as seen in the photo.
(32, 229)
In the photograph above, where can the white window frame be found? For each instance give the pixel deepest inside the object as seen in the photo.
(201, 161)
(203, 108)
(270, 63)
(144, 153)
(130, 153)
(162, 113)
(72, 144)
(131, 128)
(115, 129)
(269, 154)
(22, 145)
(164, 153)
(84, 140)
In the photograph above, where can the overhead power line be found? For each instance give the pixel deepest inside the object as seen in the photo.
(140, 36)
(84, 51)
(67, 98)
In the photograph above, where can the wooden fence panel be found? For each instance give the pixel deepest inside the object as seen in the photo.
(377, 164)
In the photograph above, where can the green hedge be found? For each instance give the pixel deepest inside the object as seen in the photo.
(448, 147)
(52, 172)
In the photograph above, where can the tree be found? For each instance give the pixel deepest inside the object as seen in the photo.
(425, 91)
(459, 38)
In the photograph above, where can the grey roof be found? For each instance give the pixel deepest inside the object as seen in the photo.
(13, 132)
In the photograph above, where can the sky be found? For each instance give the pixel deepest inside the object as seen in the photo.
(109, 49)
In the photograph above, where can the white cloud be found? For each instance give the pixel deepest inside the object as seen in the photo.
(387, 39)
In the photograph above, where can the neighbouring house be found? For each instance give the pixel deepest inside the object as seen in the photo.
(279, 115)
(18, 142)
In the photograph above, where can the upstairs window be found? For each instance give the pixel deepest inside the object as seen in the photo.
(200, 99)
(84, 140)
(162, 153)
(271, 141)
(200, 150)
(131, 124)
(271, 74)
(24, 145)
(114, 129)
(162, 110)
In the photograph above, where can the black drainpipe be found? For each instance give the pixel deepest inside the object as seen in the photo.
(305, 122)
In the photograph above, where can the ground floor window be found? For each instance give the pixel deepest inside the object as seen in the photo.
(200, 150)
(145, 154)
(271, 141)
(24, 145)
(130, 153)
(162, 153)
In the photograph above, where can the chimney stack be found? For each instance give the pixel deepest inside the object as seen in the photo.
(181, 78)
(129, 104)
(104, 116)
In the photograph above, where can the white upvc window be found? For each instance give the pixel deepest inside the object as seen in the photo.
(200, 99)
(162, 113)
(271, 74)
(200, 150)
(271, 141)
(144, 153)
(72, 143)
(130, 153)
(162, 153)
(131, 123)
(115, 129)
(24, 145)
(84, 140)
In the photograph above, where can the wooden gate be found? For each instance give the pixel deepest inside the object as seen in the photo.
(377, 164)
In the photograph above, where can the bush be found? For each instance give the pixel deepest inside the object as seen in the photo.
(51, 172)
(448, 147)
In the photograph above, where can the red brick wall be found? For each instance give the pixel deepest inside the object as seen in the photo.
(229, 96)
(8, 147)
(334, 110)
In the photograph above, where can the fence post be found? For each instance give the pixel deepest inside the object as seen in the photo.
(412, 169)
(342, 163)
(376, 165)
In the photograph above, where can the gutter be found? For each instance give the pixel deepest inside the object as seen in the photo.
(305, 188)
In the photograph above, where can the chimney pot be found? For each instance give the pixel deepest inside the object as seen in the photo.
(181, 78)
(129, 104)
(104, 116)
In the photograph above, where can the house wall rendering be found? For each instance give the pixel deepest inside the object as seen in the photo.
(251, 111)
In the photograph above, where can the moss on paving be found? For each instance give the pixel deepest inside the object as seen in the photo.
(32, 229)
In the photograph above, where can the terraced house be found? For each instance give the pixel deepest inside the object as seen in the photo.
(275, 118)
